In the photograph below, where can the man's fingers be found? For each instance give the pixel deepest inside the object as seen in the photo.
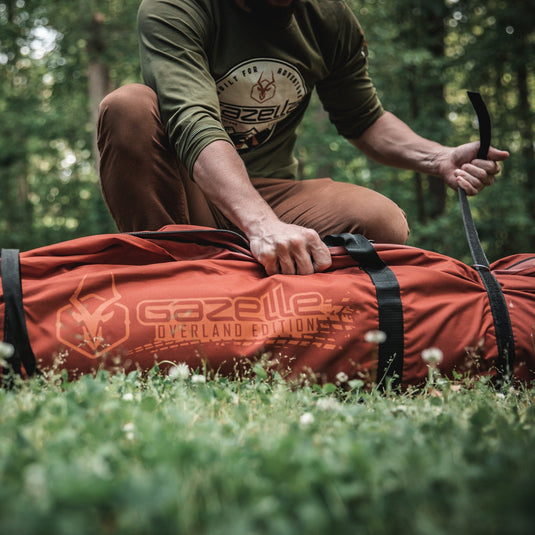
(287, 260)
(310, 254)
(471, 185)
(288, 265)
(488, 167)
(314, 259)
(476, 174)
(466, 186)
(497, 155)
(473, 174)
(271, 264)
(292, 250)
(321, 257)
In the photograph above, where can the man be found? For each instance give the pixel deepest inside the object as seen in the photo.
(209, 139)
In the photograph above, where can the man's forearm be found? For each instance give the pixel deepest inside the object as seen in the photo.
(391, 142)
(221, 175)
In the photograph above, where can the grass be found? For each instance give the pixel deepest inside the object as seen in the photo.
(126, 454)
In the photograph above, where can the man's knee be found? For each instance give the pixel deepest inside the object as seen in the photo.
(126, 114)
(128, 100)
(360, 210)
(392, 229)
(387, 226)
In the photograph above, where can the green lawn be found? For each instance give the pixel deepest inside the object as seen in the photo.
(121, 454)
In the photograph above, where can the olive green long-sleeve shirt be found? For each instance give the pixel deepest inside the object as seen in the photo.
(219, 73)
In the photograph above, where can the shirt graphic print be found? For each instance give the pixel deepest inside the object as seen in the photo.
(256, 95)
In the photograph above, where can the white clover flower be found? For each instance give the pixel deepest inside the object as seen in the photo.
(180, 372)
(198, 379)
(128, 396)
(342, 377)
(375, 337)
(432, 356)
(6, 350)
(327, 404)
(36, 481)
(129, 429)
(306, 419)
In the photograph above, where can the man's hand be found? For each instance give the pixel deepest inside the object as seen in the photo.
(460, 167)
(391, 142)
(278, 246)
(289, 250)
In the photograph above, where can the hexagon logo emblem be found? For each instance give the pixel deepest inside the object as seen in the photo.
(94, 322)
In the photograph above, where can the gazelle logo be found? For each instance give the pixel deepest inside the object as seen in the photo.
(94, 322)
(256, 95)
(219, 319)
(264, 89)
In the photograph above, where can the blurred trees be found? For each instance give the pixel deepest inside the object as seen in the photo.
(57, 60)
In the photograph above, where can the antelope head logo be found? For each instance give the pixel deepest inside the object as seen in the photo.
(264, 89)
(93, 329)
(92, 322)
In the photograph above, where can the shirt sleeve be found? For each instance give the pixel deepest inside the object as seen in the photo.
(173, 39)
(347, 92)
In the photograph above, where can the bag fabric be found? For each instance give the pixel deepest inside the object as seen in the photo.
(197, 296)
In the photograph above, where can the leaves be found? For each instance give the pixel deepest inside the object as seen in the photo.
(46, 156)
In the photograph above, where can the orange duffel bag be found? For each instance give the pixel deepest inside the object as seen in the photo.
(197, 296)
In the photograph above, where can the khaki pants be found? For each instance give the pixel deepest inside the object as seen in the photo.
(145, 187)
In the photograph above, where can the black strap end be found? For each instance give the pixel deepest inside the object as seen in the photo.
(15, 329)
(483, 118)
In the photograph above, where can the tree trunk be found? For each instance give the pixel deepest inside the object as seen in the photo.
(99, 87)
(418, 179)
(528, 148)
(526, 131)
(98, 73)
(426, 93)
(435, 92)
(16, 208)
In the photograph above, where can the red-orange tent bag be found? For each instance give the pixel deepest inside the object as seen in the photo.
(197, 296)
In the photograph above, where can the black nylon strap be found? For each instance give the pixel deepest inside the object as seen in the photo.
(391, 352)
(476, 250)
(485, 128)
(15, 330)
(478, 255)
(500, 313)
(502, 324)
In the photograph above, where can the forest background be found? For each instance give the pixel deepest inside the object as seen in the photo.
(59, 59)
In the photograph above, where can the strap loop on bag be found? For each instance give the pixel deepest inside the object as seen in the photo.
(15, 329)
(391, 351)
(502, 322)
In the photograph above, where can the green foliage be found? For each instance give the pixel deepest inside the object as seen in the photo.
(423, 57)
(47, 160)
(176, 454)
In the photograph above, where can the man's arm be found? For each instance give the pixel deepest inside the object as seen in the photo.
(391, 142)
(174, 37)
(280, 247)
